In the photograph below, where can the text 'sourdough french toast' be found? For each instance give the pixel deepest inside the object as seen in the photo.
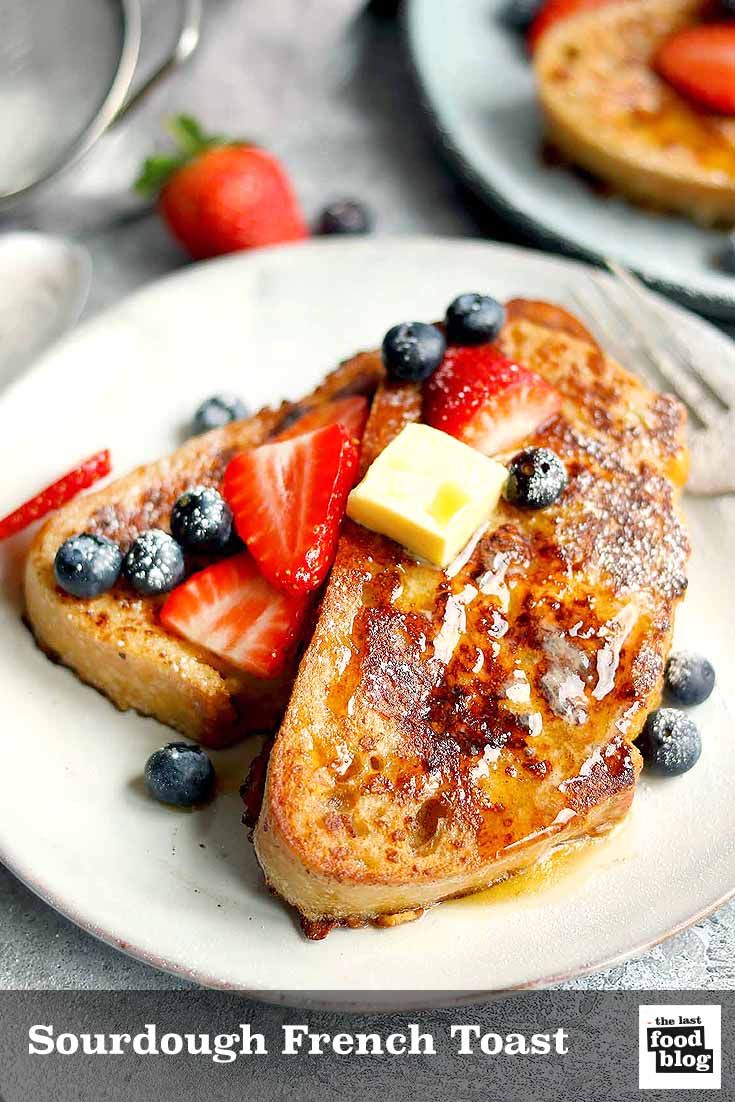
(115, 642)
(608, 111)
(448, 728)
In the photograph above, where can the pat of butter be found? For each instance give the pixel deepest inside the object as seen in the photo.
(429, 492)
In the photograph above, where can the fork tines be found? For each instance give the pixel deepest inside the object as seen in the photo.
(630, 323)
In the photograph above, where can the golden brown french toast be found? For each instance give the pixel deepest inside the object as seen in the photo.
(448, 728)
(608, 111)
(115, 642)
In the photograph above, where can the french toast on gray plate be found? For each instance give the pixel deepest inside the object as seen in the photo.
(607, 110)
(448, 728)
(451, 721)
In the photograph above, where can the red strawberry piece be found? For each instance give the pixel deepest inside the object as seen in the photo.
(288, 499)
(57, 494)
(553, 11)
(232, 611)
(351, 413)
(487, 401)
(699, 62)
(218, 196)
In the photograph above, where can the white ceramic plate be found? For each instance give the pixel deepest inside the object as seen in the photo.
(182, 890)
(479, 88)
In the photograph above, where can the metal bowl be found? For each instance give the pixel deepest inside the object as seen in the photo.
(66, 69)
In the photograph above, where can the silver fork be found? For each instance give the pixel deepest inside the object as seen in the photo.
(629, 323)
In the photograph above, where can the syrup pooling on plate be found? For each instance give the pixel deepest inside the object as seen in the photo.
(566, 869)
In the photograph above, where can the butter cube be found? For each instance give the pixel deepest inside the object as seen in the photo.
(429, 492)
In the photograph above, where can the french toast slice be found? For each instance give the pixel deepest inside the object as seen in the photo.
(607, 110)
(450, 728)
(115, 642)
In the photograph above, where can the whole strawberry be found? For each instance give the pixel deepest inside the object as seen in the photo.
(218, 196)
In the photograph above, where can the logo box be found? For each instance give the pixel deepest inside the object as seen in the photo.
(680, 1047)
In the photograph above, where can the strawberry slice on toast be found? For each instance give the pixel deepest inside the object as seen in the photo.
(351, 413)
(57, 494)
(232, 610)
(486, 400)
(288, 499)
(699, 62)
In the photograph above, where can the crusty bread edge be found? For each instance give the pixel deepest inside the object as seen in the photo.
(355, 902)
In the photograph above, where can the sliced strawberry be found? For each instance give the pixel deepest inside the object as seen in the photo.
(288, 500)
(57, 494)
(699, 62)
(487, 401)
(350, 412)
(554, 10)
(232, 610)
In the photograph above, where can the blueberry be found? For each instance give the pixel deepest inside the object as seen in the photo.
(347, 216)
(179, 773)
(217, 411)
(154, 564)
(690, 678)
(518, 15)
(670, 743)
(201, 520)
(412, 351)
(474, 319)
(87, 565)
(536, 478)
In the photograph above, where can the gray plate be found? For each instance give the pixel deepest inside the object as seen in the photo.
(204, 912)
(478, 87)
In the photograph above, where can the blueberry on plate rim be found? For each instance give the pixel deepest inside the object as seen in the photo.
(412, 351)
(201, 520)
(154, 564)
(518, 15)
(87, 565)
(670, 742)
(180, 773)
(217, 411)
(474, 319)
(690, 678)
(345, 216)
(537, 478)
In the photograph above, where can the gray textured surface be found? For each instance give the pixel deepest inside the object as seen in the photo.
(599, 1035)
(327, 88)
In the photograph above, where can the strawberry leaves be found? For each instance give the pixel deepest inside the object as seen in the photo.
(191, 141)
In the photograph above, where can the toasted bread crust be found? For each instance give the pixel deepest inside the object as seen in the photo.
(606, 110)
(115, 642)
(448, 729)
